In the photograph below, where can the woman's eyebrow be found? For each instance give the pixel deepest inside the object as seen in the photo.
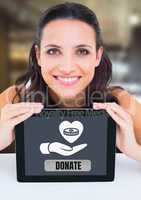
(83, 45)
(77, 46)
(52, 45)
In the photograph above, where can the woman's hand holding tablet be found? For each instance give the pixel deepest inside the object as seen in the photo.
(13, 114)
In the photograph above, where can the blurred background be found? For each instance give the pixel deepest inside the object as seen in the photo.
(121, 26)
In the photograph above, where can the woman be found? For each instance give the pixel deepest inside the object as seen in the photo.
(68, 67)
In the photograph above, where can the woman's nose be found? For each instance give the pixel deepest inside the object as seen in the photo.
(67, 66)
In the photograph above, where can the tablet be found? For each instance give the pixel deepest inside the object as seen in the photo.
(66, 145)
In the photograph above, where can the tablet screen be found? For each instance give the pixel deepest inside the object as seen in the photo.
(46, 129)
(66, 143)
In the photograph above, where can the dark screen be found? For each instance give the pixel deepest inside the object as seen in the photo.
(45, 128)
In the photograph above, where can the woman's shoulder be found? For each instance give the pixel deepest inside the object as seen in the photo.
(123, 95)
(116, 90)
(126, 99)
(7, 95)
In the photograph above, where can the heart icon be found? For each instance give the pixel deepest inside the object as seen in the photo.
(71, 131)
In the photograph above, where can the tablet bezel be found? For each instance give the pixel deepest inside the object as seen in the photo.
(20, 157)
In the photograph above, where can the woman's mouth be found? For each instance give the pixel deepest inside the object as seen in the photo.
(67, 81)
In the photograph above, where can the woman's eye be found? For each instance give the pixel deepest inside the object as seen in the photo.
(53, 51)
(83, 52)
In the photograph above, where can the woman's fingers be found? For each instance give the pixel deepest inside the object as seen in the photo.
(121, 117)
(117, 114)
(119, 110)
(114, 115)
(21, 118)
(23, 105)
(16, 113)
(115, 107)
(13, 110)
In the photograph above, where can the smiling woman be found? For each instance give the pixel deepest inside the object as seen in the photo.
(67, 58)
(68, 67)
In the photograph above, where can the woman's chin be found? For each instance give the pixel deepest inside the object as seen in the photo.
(71, 100)
(68, 96)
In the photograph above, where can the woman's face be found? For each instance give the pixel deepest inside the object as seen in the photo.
(68, 57)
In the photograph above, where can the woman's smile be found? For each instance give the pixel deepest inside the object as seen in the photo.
(67, 80)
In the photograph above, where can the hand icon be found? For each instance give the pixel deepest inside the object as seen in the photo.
(60, 148)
